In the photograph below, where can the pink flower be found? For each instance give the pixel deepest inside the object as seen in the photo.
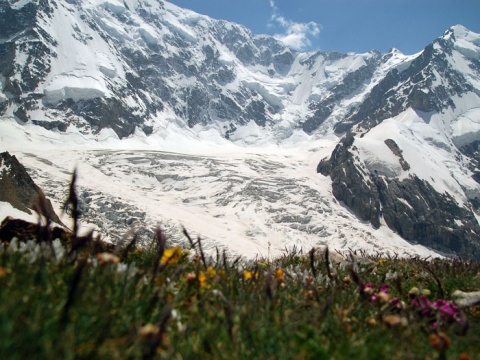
(394, 302)
(447, 311)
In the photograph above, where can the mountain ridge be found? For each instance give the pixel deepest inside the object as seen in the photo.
(239, 77)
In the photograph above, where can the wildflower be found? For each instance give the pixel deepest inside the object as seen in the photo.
(249, 275)
(171, 256)
(211, 272)
(191, 277)
(426, 292)
(383, 297)
(451, 311)
(368, 290)
(413, 291)
(202, 279)
(2, 272)
(58, 249)
(389, 275)
(439, 341)
(447, 311)
(176, 316)
(279, 274)
(148, 330)
(384, 288)
(394, 302)
(395, 320)
(107, 258)
(308, 280)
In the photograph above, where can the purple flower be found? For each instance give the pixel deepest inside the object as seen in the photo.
(394, 302)
(447, 311)
(451, 311)
(384, 288)
(371, 293)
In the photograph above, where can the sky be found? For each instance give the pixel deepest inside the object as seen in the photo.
(345, 25)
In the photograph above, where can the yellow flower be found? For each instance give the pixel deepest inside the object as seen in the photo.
(211, 272)
(250, 275)
(202, 280)
(279, 274)
(171, 256)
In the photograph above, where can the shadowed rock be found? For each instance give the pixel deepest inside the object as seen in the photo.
(18, 188)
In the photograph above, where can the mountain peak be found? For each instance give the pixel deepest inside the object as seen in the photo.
(459, 33)
(458, 30)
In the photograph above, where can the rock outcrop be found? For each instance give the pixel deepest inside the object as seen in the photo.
(18, 188)
(409, 206)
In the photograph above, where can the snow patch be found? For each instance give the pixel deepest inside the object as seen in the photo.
(466, 128)
(6, 209)
(378, 158)
(73, 87)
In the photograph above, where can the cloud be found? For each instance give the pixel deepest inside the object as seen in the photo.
(295, 35)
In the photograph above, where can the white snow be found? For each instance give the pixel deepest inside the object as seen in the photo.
(378, 157)
(213, 199)
(6, 209)
(466, 128)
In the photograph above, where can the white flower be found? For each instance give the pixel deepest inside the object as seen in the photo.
(58, 249)
(13, 247)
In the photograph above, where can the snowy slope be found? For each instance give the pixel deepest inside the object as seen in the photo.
(250, 201)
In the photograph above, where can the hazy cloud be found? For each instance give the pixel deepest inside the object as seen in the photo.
(296, 35)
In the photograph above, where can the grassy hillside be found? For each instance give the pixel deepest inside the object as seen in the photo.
(149, 304)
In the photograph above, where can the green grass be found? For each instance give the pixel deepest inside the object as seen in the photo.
(76, 307)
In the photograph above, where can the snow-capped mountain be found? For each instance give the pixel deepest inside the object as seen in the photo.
(408, 159)
(139, 64)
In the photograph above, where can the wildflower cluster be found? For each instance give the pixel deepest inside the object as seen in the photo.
(171, 256)
(437, 313)
(379, 295)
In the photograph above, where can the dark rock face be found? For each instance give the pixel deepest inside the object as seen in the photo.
(415, 88)
(150, 67)
(472, 150)
(352, 81)
(348, 183)
(18, 188)
(25, 231)
(411, 207)
(393, 146)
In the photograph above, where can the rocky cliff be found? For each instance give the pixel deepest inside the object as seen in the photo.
(18, 188)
